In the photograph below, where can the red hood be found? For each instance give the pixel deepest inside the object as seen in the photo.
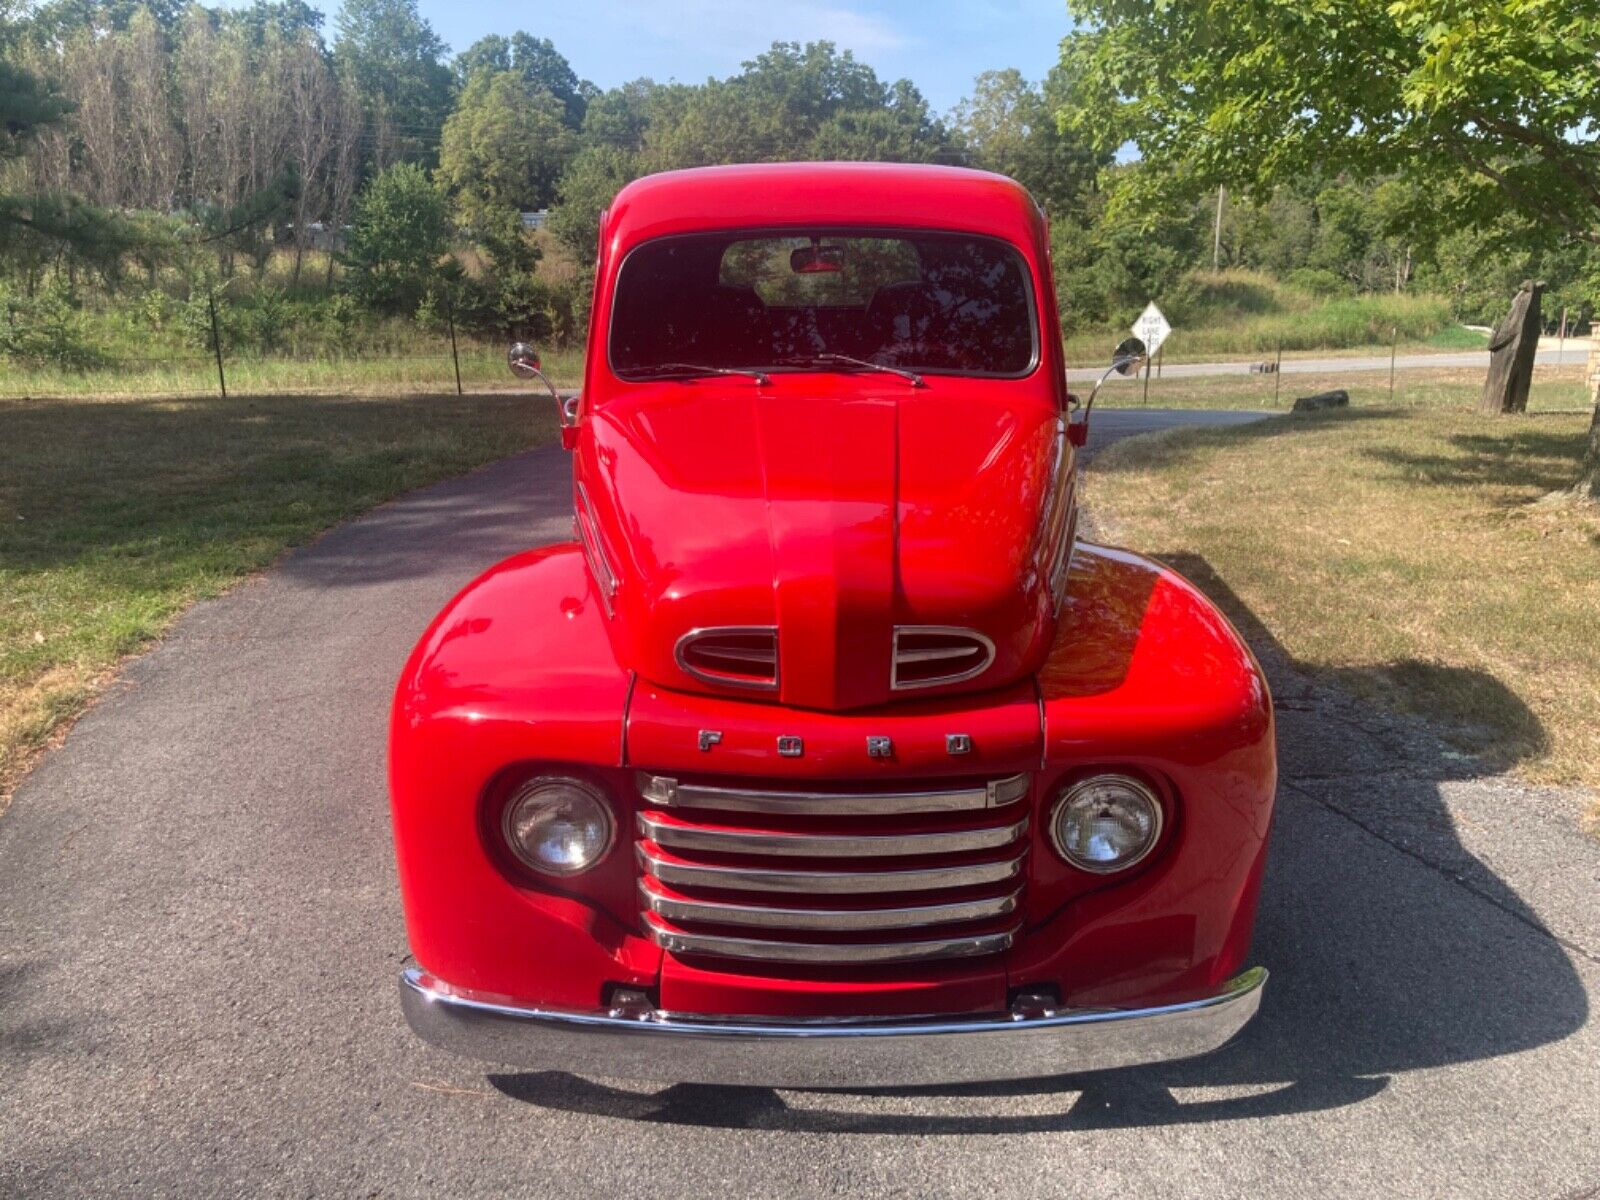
(834, 518)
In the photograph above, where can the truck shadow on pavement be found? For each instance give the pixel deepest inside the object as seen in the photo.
(1391, 948)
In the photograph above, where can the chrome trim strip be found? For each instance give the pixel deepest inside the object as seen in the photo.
(677, 908)
(949, 630)
(594, 550)
(831, 883)
(754, 685)
(670, 793)
(972, 945)
(843, 1054)
(823, 845)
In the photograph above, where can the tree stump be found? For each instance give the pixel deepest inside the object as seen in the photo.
(1511, 349)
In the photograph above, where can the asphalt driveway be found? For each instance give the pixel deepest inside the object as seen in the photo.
(200, 933)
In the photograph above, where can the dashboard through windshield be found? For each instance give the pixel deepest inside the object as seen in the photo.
(937, 303)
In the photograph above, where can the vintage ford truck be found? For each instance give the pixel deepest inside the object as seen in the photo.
(826, 754)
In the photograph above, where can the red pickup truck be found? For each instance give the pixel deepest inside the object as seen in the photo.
(826, 753)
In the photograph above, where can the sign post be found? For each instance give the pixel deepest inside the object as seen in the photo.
(1152, 329)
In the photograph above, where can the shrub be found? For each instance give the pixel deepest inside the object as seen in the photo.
(45, 330)
(1315, 281)
(400, 231)
(269, 319)
(340, 316)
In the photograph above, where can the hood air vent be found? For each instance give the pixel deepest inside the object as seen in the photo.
(734, 656)
(934, 655)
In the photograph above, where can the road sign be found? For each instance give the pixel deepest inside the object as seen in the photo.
(1152, 328)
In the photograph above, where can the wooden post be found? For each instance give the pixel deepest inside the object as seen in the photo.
(216, 344)
(1561, 344)
(1277, 373)
(1394, 349)
(450, 316)
(1511, 349)
(1160, 350)
(1216, 235)
(1146, 399)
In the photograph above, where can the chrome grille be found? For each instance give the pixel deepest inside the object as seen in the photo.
(831, 877)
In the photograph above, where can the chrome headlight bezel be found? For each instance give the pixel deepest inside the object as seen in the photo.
(539, 789)
(1142, 792)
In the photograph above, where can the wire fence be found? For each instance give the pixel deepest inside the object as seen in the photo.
(418, 360)
(414, 360)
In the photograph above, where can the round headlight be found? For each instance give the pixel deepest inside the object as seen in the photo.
(557, 826)
(1106, 823)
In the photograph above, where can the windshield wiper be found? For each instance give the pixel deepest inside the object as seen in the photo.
(866, 364)
(678, 368)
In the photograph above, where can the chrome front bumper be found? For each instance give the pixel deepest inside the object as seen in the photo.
(657, 1046)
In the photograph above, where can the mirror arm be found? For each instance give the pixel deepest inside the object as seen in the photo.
(1088, 405)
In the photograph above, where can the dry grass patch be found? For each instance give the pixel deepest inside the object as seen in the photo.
(1430, 558)
(117, 514)
(1555, 389)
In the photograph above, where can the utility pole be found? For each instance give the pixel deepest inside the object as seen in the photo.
(1216, 235)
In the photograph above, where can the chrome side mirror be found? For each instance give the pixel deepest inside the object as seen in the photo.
(1127, 359)
(1129, 356)
(523, 360)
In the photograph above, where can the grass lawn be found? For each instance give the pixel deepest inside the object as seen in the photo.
(1555, 389)
(482, 369)
(116, 514)
(1427, 557)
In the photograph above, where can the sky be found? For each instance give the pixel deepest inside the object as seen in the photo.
(940, 45)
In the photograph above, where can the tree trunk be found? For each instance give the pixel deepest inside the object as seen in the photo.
(1589, 478)
(1511, 350)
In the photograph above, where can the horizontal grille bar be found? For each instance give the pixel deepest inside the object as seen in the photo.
(677, 908)
(675, 836)
(957, 946)
(670, 793)
(835, 883)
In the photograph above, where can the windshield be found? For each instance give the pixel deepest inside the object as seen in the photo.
(927, 302)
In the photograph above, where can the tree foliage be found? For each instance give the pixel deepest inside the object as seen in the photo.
(504, 146)
(399, 233)
(397, 61)
(1261, 93)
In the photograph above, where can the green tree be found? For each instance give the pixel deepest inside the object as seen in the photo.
(1484, 104)
(37, 224)
(400, 230)
(541, 65)
(396, 60)
(596, 175)
(504, 146)
(1008, 125)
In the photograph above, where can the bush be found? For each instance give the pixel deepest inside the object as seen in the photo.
(1315, 281)
(268, 319)
(399, 232)
(45, 330)
(340, 317)
(194, 318)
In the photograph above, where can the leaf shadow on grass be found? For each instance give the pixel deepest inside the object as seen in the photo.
(1181, 444)
(1380, 930)
(1532, 460)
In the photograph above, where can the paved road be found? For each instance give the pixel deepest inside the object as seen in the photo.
(199, 933)
(1475, 359)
